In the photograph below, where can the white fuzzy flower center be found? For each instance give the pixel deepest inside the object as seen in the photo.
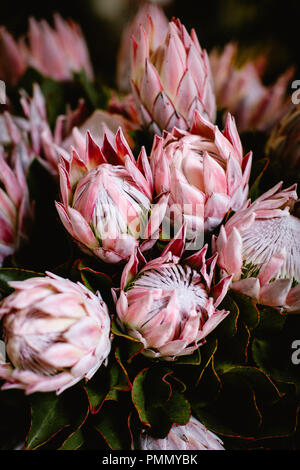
(267, 237)
(186, 282)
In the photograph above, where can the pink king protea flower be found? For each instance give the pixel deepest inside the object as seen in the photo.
(69, 130)
(171, 80)
(16, 210)
(241, 91)
(48, 146)
(260, 247)
(204, 171)
(56, 52)
(159, 23)
(192, 436)
(169, 305)
(12, 62)
(56, 333)
(107, 198)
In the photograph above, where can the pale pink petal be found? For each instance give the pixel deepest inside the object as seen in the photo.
(249, 286)
(275, 293)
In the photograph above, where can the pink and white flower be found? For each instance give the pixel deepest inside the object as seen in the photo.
(191, 436)
(12, 62)
(46, 144)
(159, 23)
(56, 333)
(56, 52)
(16, 210)
(107, 198)
(204, 171)
(172, 79)
(259, 246)
(241, 91)
(69, 130)
(168, 304)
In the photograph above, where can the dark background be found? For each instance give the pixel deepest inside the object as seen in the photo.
(271, 25)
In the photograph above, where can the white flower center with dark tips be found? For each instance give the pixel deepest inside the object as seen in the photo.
(190, 291)
(267, 237)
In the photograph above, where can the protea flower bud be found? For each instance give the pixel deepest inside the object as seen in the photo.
(56, 52)
(69, 129)
(12, 129)
(12, 62)
(16, 211)
(170, 305)
(59, 51)
(283, 146)
(160, 26)
(259, 246)
(48, 146)
(56, 333)
(241, 91)
(106, 198)
(172, 80)
(204, 171)
(192, 436)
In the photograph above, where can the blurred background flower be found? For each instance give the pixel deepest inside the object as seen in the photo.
(264, 26)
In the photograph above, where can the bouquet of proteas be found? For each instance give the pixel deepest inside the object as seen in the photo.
(150, 260)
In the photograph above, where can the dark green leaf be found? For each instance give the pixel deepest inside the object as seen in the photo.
(275, 359)
(48, 418)
(97, 389)
(51, 413)
(107, 382)
(234, 413)
(139, 397)
(271, 322)
(234, 351)
(14, 274)
(228, 327)
(112, 423)
(258, 169)
(208, 388)
(159, 400)
(74, 441)
(96, 95)
(249, 312)
(265, 389)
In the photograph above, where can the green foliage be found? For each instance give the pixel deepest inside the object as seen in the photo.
(241, 384)
(50, 414)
